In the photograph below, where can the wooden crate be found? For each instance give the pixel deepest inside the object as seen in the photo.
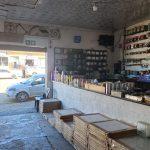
(67, 131)
(66, 114)
(81, 127)
(95, 144)
(48, 105)
(102, 131)
(58, 125)
(111, 128)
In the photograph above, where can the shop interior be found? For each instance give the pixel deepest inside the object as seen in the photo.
(88, 86)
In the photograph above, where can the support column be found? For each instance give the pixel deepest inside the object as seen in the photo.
(49, 67)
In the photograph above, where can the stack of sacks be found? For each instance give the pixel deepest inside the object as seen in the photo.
(64, 115)
(99, 133)
(48, 105)
(81, 124)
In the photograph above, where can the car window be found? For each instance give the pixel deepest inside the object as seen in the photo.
(40, 80)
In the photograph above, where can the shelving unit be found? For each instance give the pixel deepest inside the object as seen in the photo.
(90, 63)
(96, 63)
(137, 48)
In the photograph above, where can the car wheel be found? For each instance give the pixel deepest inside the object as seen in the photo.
(22, 96)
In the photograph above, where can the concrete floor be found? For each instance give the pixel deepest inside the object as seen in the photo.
(21, 128)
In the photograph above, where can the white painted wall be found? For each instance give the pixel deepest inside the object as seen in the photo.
(89, 40)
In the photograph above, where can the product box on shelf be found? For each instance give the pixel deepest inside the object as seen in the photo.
(134, 98)
(117, 94)
(96, 88)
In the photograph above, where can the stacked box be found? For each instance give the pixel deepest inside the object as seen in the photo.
(67, 131)
(65, 115)
(100, 132)
(130, 143)
(48, 105)
(81, 128)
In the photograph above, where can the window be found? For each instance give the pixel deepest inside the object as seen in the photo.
(29, 62)
(39, 81)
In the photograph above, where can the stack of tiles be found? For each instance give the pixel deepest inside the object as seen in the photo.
(48, 105)
(81, 128)
(64, 115)
(67, 131)
(100, 132)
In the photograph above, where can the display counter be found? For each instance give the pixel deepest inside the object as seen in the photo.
(92, 102)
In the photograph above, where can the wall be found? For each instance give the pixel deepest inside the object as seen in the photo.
(91, 102)
(89, 40)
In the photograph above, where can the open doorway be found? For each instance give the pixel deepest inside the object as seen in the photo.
(22, 75)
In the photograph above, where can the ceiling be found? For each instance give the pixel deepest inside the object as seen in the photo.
(111, 14)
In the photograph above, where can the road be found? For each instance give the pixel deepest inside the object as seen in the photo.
(4, 83)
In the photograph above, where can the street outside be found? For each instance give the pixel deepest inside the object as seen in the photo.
(4, 83)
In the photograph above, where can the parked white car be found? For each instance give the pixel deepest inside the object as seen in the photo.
(5, 74)
(33, 86)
